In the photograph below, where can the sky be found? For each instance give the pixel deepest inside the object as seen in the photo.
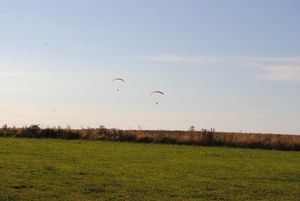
(229, 65)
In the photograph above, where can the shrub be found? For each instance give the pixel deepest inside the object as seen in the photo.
(191, 137)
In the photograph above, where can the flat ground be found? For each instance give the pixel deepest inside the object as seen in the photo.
(51, 169)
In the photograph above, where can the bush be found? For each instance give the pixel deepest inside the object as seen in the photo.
(191, 137)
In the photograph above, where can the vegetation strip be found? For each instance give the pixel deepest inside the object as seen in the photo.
(191, 137)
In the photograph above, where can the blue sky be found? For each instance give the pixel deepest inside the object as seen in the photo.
(229, 65)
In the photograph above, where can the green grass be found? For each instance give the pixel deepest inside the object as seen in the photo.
(52, 169)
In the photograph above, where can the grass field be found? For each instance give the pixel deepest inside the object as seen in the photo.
(53, 169)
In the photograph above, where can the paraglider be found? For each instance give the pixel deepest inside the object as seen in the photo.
(154, 92)
(118, 79)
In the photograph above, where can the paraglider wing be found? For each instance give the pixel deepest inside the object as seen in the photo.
(118, 79)
(156, 92)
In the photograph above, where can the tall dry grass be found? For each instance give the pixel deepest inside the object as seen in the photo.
(191, 137)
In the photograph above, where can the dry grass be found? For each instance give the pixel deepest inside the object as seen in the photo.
(191, 137)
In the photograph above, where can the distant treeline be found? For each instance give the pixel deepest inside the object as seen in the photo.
(191, 137)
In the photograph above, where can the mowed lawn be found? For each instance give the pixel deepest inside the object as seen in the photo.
(47, 169)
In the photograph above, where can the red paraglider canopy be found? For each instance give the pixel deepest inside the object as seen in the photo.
(156, 92)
